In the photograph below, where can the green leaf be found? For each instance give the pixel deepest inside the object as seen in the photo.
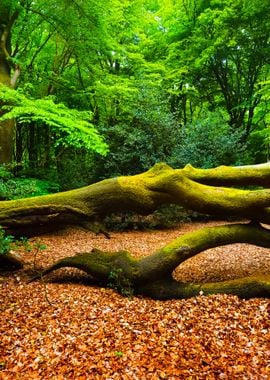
(77, 129)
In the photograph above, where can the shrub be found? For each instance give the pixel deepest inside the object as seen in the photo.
(209, 142)
(5, 241)
(14, 188)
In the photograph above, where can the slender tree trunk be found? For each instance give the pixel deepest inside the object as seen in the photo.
(19, 144)
(7, 128)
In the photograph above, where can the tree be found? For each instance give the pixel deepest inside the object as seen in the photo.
(198, 189)
(133, 55)
(38, 46)
(75, 126)
(8, 15)
(219, 53)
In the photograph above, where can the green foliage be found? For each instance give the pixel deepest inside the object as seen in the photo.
(8, 259)
(260, 137)
(5, 173)
(143, 74)
(25, 243)
(5, 241)
(119, 282)
(140, 138)
(209, 142)
(118, 354)
(223, 52)
(73, 124)
(16, 188)
(75, 169)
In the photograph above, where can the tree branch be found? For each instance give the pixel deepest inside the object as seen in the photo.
(152, 275)
(254, 175)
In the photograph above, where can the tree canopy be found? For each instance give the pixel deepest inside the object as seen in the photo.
(141, 70)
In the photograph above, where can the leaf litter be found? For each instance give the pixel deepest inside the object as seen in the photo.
(86, 332)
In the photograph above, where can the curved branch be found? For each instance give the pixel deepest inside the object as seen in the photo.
(231, 176)
(245, 287)
(152, 275)
(163, 262)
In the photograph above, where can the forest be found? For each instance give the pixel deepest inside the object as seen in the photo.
(134, 165)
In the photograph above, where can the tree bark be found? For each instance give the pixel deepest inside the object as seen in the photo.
(7, 128)
(195, 189)
(152, 275)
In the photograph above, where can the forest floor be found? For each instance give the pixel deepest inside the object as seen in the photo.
(68, 330)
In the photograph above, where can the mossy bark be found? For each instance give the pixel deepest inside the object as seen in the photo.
(197, 189)
(144, 193)
(152, 276)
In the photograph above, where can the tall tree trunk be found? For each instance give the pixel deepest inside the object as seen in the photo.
(7, 128)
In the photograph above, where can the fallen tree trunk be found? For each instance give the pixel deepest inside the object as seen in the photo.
(153, 275)
(144, 193)
(197, 189)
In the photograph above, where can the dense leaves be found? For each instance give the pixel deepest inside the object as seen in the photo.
(74, 125)
(145, 73)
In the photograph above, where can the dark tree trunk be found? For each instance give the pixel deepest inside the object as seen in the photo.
(7, 128)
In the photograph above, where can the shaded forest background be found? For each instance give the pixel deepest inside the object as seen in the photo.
(101, 89)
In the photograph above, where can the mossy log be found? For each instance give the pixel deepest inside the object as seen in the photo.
(196, 189)
(152, 275)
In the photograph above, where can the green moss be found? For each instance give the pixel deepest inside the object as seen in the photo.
(142, 193)
(231, 176)
(99, 264)
(247, 287)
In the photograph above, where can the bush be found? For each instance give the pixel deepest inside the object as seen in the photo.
(74, 169)
(139, 139)
(5, 242)
(25, 187)
(209, 142)
(15, 188)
